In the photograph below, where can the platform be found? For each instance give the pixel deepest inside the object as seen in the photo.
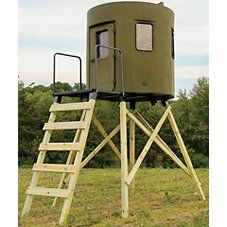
(114, 96)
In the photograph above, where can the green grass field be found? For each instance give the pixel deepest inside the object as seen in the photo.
(162, 197)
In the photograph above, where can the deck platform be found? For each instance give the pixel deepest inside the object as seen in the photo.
(114, 96)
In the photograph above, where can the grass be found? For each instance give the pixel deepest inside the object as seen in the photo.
(162, 197)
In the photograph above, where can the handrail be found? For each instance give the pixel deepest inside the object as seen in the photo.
(96, 65)
(67, 55)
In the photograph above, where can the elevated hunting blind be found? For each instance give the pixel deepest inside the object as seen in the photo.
(130, 58)
(144, 33)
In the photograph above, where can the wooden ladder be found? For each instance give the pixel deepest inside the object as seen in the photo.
(72, 166)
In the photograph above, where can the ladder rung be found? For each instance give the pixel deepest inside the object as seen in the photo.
(70, 106)
(54, 192)
(60, 146)
(64, 125)
(61, 168)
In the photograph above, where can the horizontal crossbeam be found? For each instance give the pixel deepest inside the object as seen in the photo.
(60, 146)
(58, 168)
(64, 125)
(53, 192)
(56, 107)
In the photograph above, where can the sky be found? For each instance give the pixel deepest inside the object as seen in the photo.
(47, 27)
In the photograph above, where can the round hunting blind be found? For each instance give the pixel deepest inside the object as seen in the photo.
(141, 36)
(144, 32)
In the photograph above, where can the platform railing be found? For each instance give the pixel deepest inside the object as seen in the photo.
(121, 66)
(54, 67)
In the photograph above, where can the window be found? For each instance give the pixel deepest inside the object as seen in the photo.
(172, 44)
(144, 37)
(103, 39)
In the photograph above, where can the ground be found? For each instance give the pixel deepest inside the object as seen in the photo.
(162, 197)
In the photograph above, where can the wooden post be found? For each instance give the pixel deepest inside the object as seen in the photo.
(132, 149)
(124, 159)
(185, 153)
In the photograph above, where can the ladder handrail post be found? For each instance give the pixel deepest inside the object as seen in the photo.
(54, 67)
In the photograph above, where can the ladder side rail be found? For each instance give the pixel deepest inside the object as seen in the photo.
(40, 160)
(77, 163)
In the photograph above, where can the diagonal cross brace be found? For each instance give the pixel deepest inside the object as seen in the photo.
(147, 146)
(107, 139)
(105, 135)
(148, 130)
(101, 145)
(158, 140)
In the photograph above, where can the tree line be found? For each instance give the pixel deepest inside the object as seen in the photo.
(190, 109)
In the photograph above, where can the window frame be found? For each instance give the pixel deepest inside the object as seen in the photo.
(98, 42)
(152, 35)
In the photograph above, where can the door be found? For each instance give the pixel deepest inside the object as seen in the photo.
(104, 35)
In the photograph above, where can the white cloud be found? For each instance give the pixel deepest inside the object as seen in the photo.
(192, 71)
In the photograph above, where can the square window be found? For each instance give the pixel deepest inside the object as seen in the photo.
(144, 37)
(103, 39)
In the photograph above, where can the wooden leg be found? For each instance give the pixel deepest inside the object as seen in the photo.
(132, 149)
(185, 153)
(124, 159)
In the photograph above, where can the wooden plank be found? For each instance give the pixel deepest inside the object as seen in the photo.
(124, 159)
(147, 146)
(60, 146)
(52, 192)
(56, 107)
(58, 168)
(65, 125)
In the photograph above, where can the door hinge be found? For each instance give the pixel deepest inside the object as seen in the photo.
(114, 31)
